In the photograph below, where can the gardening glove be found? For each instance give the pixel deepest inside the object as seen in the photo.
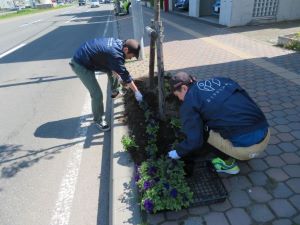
(173, 154)
(138, 96)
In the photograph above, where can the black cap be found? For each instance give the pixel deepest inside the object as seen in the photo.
(179, 79)
(133, 47)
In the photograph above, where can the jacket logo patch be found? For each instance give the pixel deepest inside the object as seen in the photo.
(209, 85)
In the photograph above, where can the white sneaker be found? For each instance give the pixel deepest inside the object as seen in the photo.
(103, 126)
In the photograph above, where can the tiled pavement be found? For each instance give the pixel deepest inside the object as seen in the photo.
(267, 191)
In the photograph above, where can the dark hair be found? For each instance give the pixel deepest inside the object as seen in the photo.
(180, 79)
(133, 47)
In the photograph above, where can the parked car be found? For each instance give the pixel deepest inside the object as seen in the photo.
(81, 2)
(216, 7)
(95, 3)
(59, 2)
(182, 4)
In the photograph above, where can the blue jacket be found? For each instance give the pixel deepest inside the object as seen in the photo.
(218, 104)
(103, 54)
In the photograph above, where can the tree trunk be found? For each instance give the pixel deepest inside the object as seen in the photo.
(160, 63)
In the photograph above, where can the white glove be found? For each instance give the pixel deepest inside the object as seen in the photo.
(138, 96)
(173, 154)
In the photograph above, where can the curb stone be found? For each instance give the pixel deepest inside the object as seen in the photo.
(124, 207)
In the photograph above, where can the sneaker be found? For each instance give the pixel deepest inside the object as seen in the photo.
(225, 166)
(103, 126)
(117, 94)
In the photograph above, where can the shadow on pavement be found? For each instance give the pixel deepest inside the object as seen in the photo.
(13, 158)
(9, 155)
(62, 42)
(37, 80)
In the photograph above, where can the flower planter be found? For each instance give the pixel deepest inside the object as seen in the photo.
(285, 39)
(161, 181)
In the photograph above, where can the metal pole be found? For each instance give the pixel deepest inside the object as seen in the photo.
(138, 25)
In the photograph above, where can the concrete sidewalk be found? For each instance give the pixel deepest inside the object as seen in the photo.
(267, 190)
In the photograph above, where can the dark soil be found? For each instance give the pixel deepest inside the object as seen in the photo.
(136, 120)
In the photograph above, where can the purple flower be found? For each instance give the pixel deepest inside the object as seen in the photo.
(173, 193)
(152, 170)
(148, 205)
(137, 177)
(167, 186)
(147, 185)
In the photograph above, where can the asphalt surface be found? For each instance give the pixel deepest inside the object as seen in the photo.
(54, 163)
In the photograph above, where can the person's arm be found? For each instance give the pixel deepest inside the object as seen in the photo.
(119, 68)
(192, 127)
(132, 86)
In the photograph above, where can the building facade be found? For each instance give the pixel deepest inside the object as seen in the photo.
(243, 12)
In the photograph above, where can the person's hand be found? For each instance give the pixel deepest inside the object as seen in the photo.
(173, 154)
(138, 96)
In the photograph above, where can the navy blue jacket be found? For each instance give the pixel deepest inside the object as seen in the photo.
(219, 104)
(104, 54)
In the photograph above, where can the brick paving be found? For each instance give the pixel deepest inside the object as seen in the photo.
(267, 190)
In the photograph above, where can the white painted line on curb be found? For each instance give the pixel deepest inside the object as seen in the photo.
(12, 50)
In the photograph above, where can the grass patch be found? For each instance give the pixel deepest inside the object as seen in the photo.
(24, 12)
(294, 43)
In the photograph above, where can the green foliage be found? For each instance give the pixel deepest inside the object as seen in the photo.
(161, 181)
(129, 143)
(293, 45)
(152, 129)
(175, 122)
(168, 190)
(28, 11)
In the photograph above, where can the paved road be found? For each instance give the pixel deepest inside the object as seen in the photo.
(54, 163)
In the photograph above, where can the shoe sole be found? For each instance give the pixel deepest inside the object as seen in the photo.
(101, 129)
(228, 171)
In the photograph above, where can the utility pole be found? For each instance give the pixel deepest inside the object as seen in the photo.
(160, 63)
(138, 25)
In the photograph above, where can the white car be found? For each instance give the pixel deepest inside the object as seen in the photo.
(95, 3)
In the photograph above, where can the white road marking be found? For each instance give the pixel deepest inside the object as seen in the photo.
(70, 20)
(27, 24)
(61, 213)
(106, 26)
(12, 50)
(62, 210)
